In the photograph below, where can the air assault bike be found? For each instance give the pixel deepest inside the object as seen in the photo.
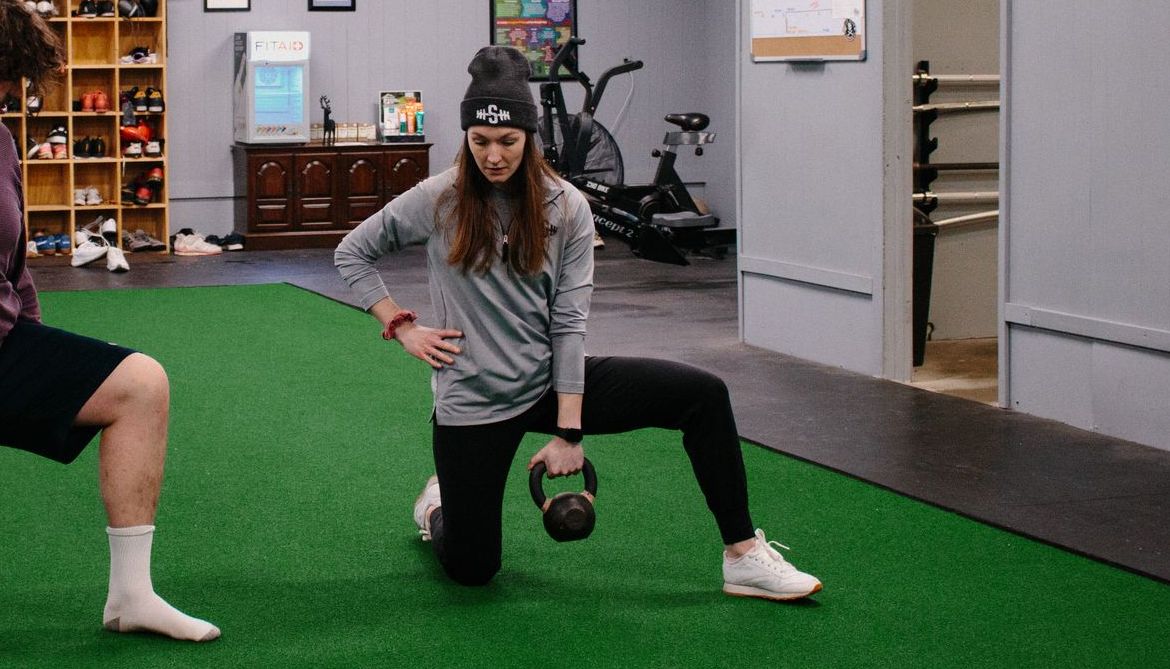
(660, 221)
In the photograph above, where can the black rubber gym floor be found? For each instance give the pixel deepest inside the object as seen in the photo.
(1102, 497)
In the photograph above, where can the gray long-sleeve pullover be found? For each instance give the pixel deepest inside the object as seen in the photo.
(521, 334)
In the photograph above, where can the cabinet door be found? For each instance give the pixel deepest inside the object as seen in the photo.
(406, 168)
(361, 187)
(315, 190)
(271, 193)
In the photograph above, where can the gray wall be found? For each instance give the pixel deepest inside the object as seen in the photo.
(1085, 235)
(962, 37)
(687, 47)
(811, 221)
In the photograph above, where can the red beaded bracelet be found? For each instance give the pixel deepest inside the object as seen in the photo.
(399, 318)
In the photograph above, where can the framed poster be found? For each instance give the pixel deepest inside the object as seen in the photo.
(227, 5)
(332, 5)
(536, 28)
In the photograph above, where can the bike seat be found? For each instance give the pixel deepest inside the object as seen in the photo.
(690, 122)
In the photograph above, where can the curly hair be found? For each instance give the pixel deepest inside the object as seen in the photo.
(29, 48)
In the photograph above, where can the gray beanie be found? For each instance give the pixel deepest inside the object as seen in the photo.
(499, 94)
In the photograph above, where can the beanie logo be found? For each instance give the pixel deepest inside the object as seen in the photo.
(493, 114)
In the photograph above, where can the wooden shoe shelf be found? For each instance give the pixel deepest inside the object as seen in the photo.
(95, 48)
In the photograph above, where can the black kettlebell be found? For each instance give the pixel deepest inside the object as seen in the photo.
(568, 516)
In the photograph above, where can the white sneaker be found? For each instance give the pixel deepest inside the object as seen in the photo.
(763, 572)
(92, 196)
(116, 260)
(427, 499)
(109, 231)
(89, 250)
(79, 197)
(194, 245)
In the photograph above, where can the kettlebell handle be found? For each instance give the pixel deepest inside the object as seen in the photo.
(536, 481)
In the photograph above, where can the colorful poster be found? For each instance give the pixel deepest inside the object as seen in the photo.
(536, 27)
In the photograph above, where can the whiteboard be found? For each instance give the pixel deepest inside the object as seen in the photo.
(807, 30)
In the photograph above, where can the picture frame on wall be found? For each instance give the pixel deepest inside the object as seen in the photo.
(536, 28)
(227, 5)
(332, 5)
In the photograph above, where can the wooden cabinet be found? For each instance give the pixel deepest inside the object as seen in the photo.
(311, 195)
(68, 189)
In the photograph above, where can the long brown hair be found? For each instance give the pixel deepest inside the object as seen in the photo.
(29, 48)
(473, 224)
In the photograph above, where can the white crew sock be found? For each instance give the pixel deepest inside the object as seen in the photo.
(132, 605)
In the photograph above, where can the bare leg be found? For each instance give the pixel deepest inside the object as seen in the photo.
(132, 406)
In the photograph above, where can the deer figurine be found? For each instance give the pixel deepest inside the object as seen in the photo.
(329, 132)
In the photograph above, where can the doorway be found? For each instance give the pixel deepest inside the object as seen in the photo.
(955, 48)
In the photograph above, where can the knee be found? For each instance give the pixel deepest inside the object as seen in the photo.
(710, 390)
(472, 572)
(142, 381)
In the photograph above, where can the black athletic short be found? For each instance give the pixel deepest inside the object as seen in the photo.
(46, 376)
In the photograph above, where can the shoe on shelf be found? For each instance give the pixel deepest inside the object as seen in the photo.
(59, 151)
(45, 151)
(232, 242)
(194, 245)
(31, 6)
(116, 260)
(763, 572)
(143, 195)
(128, 191)
(87, 9)
(58, 135)
(79, 197)
(109, 228)
(92, 196)
(429, 498)
(153, 149)
(141, 241)
(105, 8)
(46, 9)
(46, 244)
(154, 100)
(31, 147)
(132, 150)
(97, 148)
(154, 179)
(34, 105)
(87, 101)
(138, 97)
(81, 147)
(94, 227)
(101, 102)
(89, 250)
(63, 243)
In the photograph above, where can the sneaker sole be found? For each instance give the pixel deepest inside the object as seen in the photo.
(748, 591)
(426, 535)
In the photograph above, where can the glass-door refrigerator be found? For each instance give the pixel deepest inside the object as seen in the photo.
(271, 87)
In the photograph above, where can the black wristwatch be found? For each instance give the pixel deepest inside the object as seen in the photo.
(572, 435)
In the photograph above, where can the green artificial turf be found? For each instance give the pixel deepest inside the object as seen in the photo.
(299, 441)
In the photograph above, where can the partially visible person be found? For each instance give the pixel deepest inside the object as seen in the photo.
(58, 390)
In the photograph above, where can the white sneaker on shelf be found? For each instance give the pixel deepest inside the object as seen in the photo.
(79, 197)
(427, 499)
(194, 245)
(92, 196)
(109, 228)
(116, 260)
(89, 250)
(763, 572)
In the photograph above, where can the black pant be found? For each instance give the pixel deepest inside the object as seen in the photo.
(621, 394)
